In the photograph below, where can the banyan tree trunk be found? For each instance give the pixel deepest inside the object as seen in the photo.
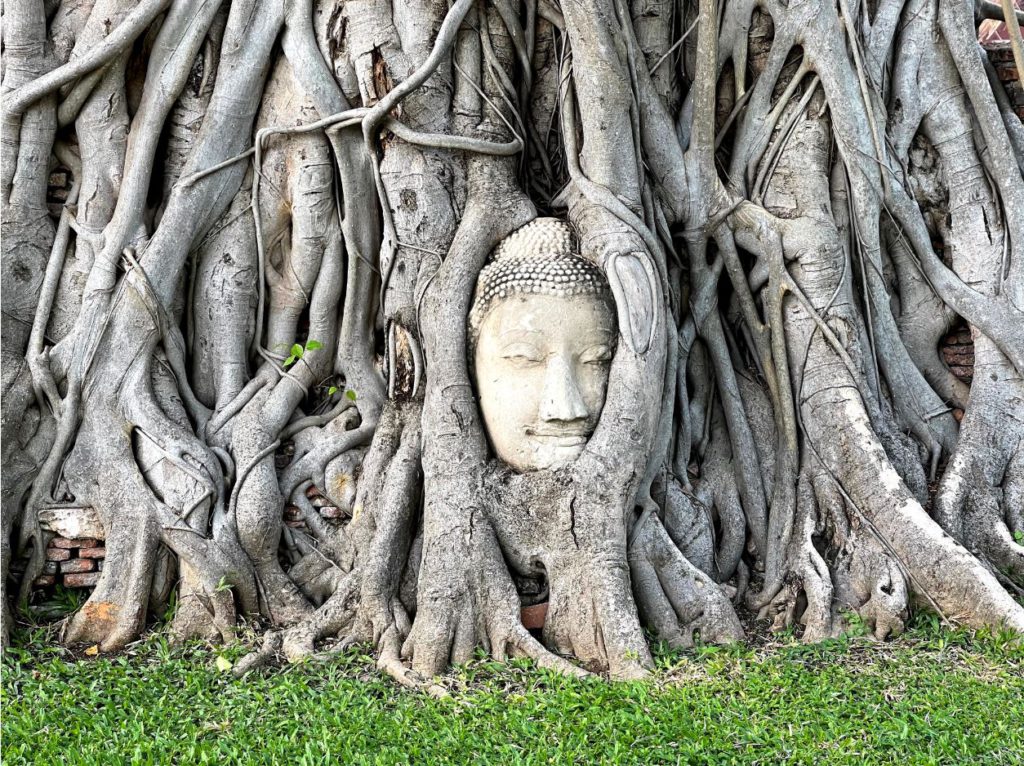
(260, 281)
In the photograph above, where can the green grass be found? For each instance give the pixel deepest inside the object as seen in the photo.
(929, 697)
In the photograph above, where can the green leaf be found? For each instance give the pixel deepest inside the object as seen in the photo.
(351, 394)
(223, 664)
(332, 390)
(289, 361)
(296, 350)
(313, 345)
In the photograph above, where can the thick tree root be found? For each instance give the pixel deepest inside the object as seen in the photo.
(270, 252)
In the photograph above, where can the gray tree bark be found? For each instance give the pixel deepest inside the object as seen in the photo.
(278, 214)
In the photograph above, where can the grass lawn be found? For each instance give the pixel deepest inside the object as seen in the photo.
(931, 696)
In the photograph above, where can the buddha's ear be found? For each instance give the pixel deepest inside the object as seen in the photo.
(607, 238)
(634, 286)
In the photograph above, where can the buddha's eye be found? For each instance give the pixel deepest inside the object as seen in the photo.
(597, 355)
(522, 354)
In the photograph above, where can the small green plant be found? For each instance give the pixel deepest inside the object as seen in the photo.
(349, 393)
(296, 352)
(62, 602)
(171, 609)
(856, 625)
(1018, 537)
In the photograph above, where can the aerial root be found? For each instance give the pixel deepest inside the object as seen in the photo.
(674, 597)
(861, 575)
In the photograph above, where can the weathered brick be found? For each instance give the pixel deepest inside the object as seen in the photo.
(74, 523)
(532, 617)
(82, 580)
(44, 581)
(81, 542)
(292, 513)
(77, 565)
(295, 524)
(92, 553)
(57, 554)
(50, 567)
(965, 374)
(955, 359)
(331, 512)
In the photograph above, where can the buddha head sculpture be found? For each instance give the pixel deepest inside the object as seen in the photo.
(542, 333)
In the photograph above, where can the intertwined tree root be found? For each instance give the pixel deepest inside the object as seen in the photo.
(278, 215)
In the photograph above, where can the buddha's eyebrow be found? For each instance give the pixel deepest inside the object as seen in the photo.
(518, 331)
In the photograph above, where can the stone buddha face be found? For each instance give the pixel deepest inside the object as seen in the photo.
(543, 333)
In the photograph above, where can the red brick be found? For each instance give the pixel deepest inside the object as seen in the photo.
(959, 360)
(57, 554)
(312, 492)
(532, 617)
(78, 565)
(331, 512)
(295, 524)
(92, 553)
(82, 542)
(44, 581)
(291, 513)
(83, 580)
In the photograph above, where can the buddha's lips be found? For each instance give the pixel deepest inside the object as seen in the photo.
(565, 438)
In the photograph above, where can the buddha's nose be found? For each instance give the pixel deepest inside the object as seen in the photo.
(562, 398)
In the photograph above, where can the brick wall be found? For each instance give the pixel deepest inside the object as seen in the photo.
(76, 562)
(958, 352)
(57, 191)
(1001, 56)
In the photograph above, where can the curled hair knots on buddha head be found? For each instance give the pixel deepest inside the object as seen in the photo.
(537, 259)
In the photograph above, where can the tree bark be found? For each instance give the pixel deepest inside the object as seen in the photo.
(260, 282)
